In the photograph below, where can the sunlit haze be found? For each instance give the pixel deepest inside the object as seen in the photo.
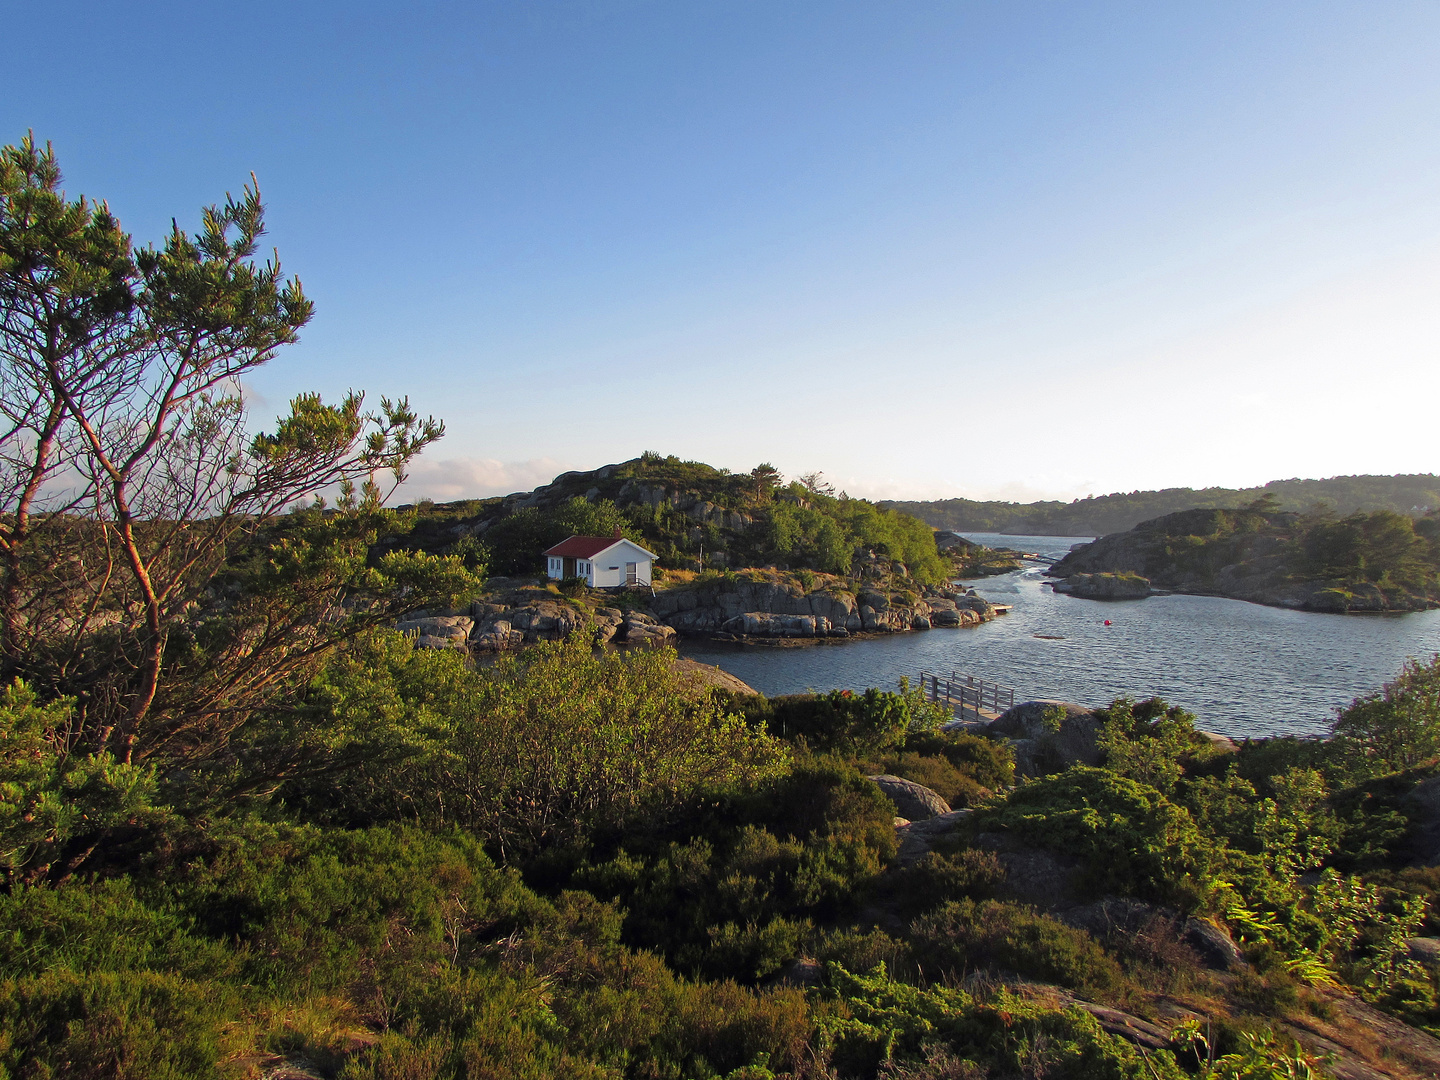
(932, 249)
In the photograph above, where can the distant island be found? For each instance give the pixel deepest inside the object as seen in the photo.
(738, 556)
(1414, 494)
(1363, 562)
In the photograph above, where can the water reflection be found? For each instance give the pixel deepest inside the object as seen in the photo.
(1243, 668)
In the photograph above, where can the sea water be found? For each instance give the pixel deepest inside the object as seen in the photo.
(1243, 669)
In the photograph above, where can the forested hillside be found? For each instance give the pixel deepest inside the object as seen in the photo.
(1101, 514)
(682, 510)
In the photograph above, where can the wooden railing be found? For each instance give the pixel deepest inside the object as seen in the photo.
(967, 696)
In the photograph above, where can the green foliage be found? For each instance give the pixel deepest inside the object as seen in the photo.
(1147, 741)
(1380, 547)
(1397, 727)
(55, 805)
(843, 721)
(540, 748)
(1130, 838)
(937, 773)
(990, 763)
(803, 535)
(962, 769)
(1260, 1057)
(966, 935)
(515, 543)
(937, 878)
(888, 1021)
(134, 1025)
(299, 940)
(738, 898)
(896, 535)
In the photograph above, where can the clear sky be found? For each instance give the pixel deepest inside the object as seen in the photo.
(1009, 249)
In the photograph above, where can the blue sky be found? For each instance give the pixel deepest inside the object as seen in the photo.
(989, 249)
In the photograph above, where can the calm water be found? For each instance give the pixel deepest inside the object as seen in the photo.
(1242, 668)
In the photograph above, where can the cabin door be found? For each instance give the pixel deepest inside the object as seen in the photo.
(631, 573)
(568, 567)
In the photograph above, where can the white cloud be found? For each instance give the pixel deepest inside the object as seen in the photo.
(448, 479)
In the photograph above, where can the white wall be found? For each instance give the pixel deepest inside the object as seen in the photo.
(597, 572)
(624, 551)
(555, 568)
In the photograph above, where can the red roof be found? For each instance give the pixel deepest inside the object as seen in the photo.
(584, 547)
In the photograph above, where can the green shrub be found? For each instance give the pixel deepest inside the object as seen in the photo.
(970, 935)
(56, 806)
(102, 926)
(1147, 740)
(133, 1025)
(539, 749)
(988, 762)
(936, 773)
(1131, 839)
(1397, 727)
(845, 722)
(736, 901)
(935, 878)
(396, 1057)
(879, 1020)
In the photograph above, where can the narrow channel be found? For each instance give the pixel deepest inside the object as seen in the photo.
(1243, 669)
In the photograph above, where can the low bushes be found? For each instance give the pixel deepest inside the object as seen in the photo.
(969, 935)
(1131, 840)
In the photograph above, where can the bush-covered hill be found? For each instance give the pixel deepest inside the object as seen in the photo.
(581, 865)
(1379, 561)
(681, 510)
(1101, 514)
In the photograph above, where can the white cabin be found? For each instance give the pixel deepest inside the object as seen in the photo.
(605, 562)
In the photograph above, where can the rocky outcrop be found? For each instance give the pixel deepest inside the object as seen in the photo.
(639, 628)
(500, 627)
(438, 631)
(913, 801)
(774, 607)
(714, 676)
(1047, 736)
(918, 838)
(1123, 916)
(766, 624)
(1421, 805)
(503, 626)
(705, 608)
(1105, 586)
(1032, 875)
(1424, 950)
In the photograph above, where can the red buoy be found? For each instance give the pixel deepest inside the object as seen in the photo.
(1107, 622)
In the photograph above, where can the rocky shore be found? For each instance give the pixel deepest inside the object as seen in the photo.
(1106, 586)
(755, 605)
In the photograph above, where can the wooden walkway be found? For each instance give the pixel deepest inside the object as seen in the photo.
(969, 698)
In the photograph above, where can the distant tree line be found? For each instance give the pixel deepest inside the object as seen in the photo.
(1097, 515)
